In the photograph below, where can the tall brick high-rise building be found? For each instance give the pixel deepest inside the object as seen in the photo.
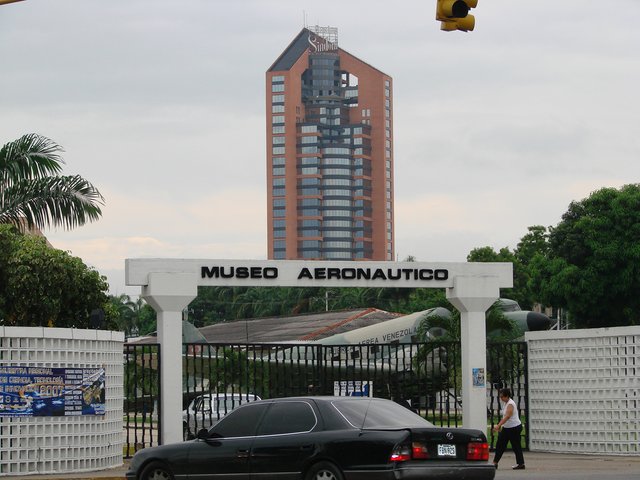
(329, 153)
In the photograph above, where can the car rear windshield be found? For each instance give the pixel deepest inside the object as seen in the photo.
(370, 414)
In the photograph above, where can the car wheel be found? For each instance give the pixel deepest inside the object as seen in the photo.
(156, 471)
(324, 471)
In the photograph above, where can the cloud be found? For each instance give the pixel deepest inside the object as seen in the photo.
(227, 224)
(161, 105)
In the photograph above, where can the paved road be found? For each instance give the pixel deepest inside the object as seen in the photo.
(540, 466)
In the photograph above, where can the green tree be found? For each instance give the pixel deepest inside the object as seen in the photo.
(536, 241)
(592, 268)
(127, 314)
(438, 354)
(147, 318)
(534, 244)
(358, 297)
(43, 286)
(447, 328)
(33, 192)
(210, 306)
(488, 254)
(424, 298)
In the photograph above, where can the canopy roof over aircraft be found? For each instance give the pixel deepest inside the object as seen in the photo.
(297, 328)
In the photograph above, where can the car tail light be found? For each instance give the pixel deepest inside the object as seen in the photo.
(478, 451)
(404, 452)
(419, 451)
(400, 453)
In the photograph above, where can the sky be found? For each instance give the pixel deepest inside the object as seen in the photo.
(161, 105)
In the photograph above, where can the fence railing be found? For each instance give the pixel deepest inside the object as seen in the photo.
(425, 377)
(507, 368)
(142, 404)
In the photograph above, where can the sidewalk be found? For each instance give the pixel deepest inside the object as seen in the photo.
(556, 464)
(116, 473)
(550, 464)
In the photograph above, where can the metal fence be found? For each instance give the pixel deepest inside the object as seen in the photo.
(141, 397)
(425, 377)
(507, 368)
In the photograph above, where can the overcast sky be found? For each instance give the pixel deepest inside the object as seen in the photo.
(160, 104)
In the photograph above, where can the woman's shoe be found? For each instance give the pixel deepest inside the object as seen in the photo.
(518, 467)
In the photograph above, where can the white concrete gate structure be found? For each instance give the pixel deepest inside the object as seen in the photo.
(169, 285)
(584, 390)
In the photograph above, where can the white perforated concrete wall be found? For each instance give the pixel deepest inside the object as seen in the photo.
(584, 391)
(30, 445)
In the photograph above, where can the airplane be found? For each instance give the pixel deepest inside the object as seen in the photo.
(391, 347)
(526, 320)
(404, 329)
(388, 344)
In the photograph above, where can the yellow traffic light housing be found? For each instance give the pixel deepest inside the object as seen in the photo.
(454, 15)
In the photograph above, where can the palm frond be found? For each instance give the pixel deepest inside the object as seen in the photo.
(29, 157)
(67, 201)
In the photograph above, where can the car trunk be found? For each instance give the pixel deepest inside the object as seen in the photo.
(442, 444)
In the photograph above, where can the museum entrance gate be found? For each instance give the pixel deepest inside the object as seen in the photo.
(425, 377)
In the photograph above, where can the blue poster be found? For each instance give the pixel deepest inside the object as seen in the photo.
(478, 377)
(51, 392)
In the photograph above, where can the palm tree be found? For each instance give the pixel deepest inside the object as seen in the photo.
(34, 195)
(441, 334)
(124, 313)
(447, 328)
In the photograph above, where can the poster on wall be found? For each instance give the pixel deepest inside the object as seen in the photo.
(478, 377)
(51, 392)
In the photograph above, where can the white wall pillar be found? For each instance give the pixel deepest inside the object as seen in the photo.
(39, 445)
(472, 296)
(169, 294)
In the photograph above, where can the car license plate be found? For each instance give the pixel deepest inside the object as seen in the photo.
(446, 450)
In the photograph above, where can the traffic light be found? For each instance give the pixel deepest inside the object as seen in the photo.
(454, 15)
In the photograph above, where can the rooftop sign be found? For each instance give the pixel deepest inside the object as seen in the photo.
(323, 39)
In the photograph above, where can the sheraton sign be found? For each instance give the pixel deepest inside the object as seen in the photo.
(323, 39)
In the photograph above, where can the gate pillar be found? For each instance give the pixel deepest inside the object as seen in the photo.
(169, 294)
(472, 296)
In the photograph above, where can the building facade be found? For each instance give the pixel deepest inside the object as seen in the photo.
(329, 153)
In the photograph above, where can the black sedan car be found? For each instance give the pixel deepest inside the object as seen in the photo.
(320, 438)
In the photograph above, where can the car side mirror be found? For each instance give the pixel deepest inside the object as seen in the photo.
(203, 434)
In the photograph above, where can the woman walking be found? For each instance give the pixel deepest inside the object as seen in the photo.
(509, 429)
